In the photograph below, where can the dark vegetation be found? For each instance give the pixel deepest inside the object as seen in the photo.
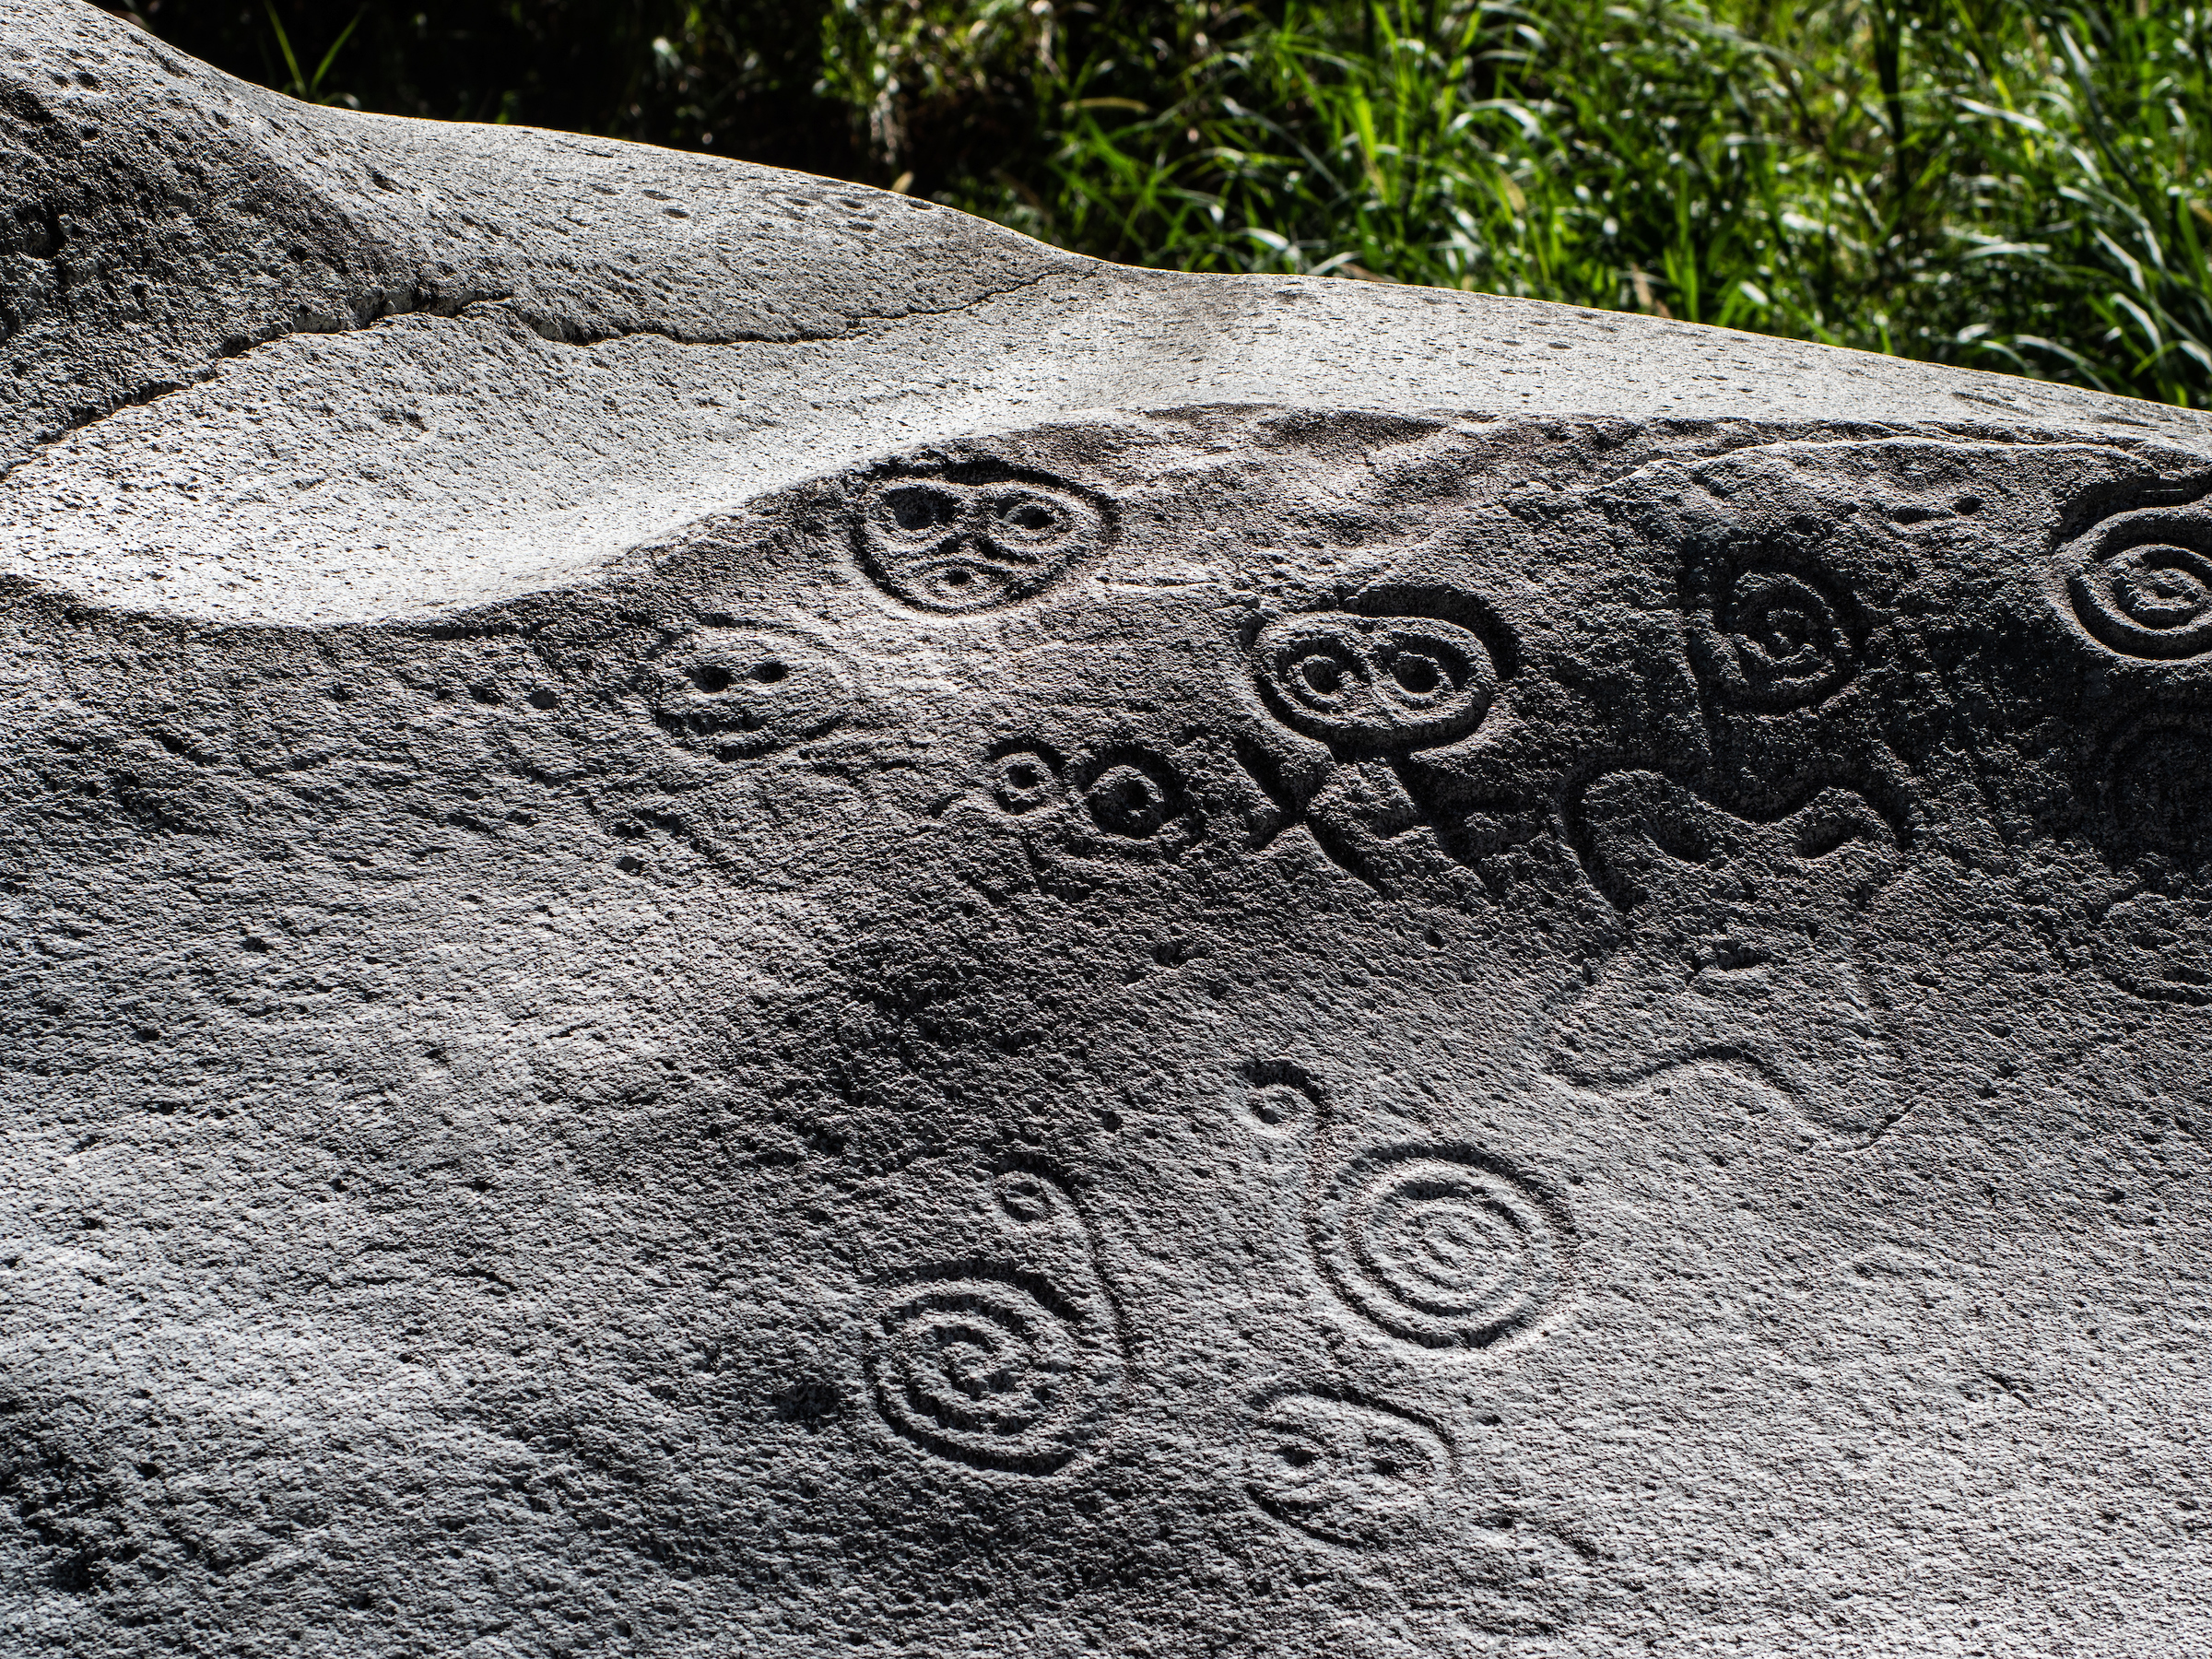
(2014, 184)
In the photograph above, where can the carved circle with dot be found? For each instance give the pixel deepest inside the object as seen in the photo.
(1024, 779)
(2141, 583)
(1023, 1198)
(1374, 683)
(1129, 800)
(1278, 1108)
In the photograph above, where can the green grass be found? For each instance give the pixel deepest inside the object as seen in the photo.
(2013, 187)
(2018, 186)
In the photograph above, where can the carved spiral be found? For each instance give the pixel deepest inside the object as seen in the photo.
(1442, 1249)
(983, 1371)
(1779, 643)
(2141, 583)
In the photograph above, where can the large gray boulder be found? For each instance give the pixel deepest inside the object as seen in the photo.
(744, 918)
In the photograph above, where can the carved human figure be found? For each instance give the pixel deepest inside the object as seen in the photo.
(1743, 948)
(1368, 691)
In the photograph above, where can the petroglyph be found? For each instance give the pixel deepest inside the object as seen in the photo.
(1742, 948)
(959, 539)
(1346, 1472)
(1440, 1245)
(2140, 583)
(1008, 1357)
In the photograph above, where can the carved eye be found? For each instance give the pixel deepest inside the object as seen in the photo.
(2151, 599)
(1128, 800)
(1782, 645)
(1421, 671)
(1326, 675)
(920, 509)
(1374, 683)
(1022, 520)
(1025, 779)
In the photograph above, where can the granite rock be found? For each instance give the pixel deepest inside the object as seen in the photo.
(742, 918)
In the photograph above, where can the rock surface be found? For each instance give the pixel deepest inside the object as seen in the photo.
(742, 918)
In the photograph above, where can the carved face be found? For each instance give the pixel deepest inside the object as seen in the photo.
(747, 689)
(1341, 1471)
(950, 545)
(1744, 950)
(2140, 584)
(1374, 683)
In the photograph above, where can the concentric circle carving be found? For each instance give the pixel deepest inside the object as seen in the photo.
(1442, 1247)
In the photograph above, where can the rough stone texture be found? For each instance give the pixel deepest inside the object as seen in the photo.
(742, 918)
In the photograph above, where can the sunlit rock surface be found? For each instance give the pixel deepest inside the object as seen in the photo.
(742, 918)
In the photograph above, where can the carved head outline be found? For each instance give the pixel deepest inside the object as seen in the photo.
(2140, 583)
(743, 688)
(1374, 683)
(962, 539)
(1344, 1471)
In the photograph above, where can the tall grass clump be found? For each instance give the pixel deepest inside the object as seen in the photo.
(2017, 186)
